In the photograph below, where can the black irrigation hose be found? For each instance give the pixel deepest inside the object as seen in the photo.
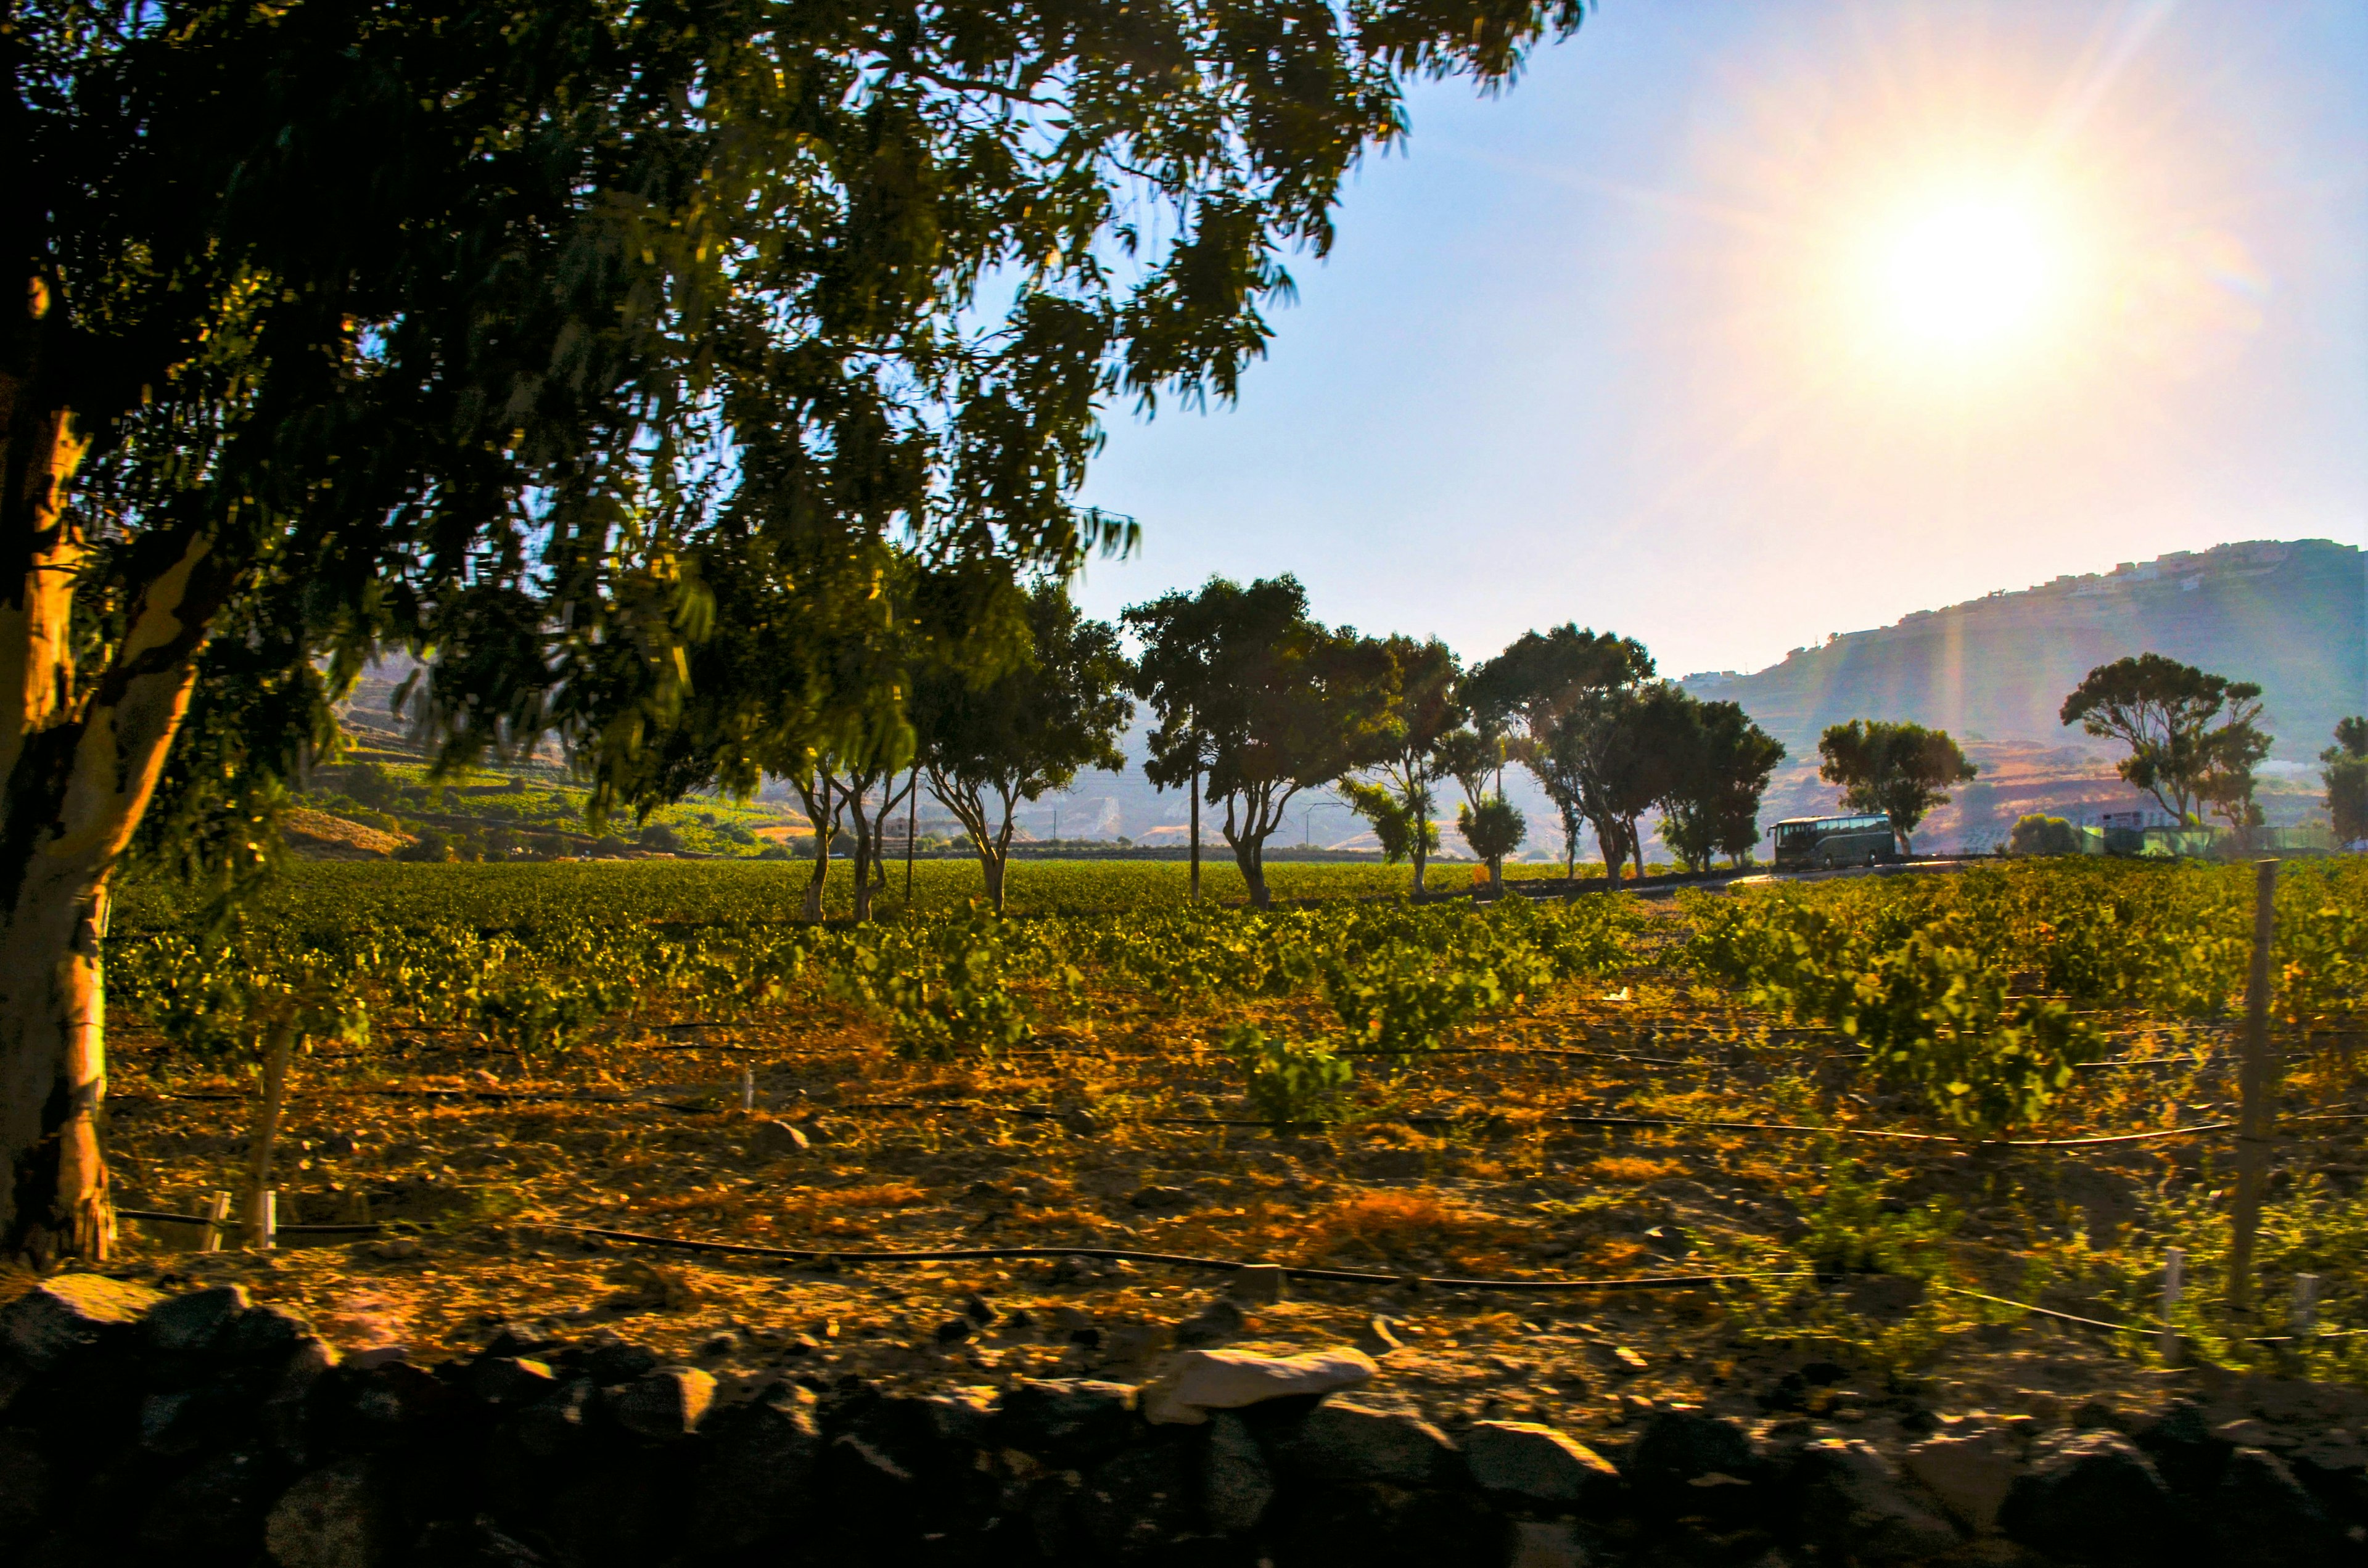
(1179, 1260)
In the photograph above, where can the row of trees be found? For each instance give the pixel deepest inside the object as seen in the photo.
(1255, 703)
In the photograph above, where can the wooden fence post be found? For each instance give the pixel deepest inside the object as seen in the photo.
(270, 1219)
(2174, 1283)
(217, 1222)
(2306, 1306)
(747, 1087)
(2253, 1116)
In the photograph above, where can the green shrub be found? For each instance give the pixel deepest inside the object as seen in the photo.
(2041, 835)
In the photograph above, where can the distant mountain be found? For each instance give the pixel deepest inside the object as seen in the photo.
(2292, 617)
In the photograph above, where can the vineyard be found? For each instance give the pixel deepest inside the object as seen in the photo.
(1885, 1117)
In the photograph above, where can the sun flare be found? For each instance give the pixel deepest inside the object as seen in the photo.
(1966, 274)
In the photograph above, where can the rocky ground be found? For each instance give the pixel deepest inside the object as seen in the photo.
(205, 1428)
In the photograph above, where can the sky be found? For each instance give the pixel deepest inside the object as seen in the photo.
(1740, 322)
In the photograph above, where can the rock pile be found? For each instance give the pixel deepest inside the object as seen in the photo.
(204, 1429)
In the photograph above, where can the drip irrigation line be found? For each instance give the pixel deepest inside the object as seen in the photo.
(1907, 1137)
(1179, 1260)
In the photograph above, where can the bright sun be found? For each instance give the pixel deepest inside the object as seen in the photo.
(1967, 273)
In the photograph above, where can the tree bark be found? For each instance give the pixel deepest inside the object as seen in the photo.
(82, 761)
(1419, 800)
(1196, 833)
(278, 1049)
(79, 759)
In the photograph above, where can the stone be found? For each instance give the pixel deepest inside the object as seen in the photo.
(62, 1315)
(2093, 1498)
(1540, 1465)
(953, 1331)
(1968, 1472)
(759, 1477)
(262, 1334)
(1376, 1525)
(1850, 1499)
(1350, 1442)
(1063, 1420)
(1214, 1324)
(2334, 1465)
(1236, 1484)
(26, 1484)
(1161, 1197)
(1137, 1501)
(333, 1517)
(190, 1321)
(209, 1514)
(2263, 1518)
(1203, 1381)
(1545, 1543)
(773, 1139)
(2184, 1449)
(511, 1379)
(1685, 1462)
(665, 1404)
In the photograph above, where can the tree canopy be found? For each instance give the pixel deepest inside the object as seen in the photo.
(527, 338)
(1262, 699)
(2344, 770)
(1422, 706)
(988, 745)
(2193, 736)
(1561, 694)
(1900, 769)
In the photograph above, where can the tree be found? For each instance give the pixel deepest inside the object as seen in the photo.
(2345, 772)
(2183, 751)
(986, 745)
(2038, 833)
(1902, 770)
(1421, 710)
(1494, 828)
(1721, 769)
(489, 332)
(1559, 693)
(1260, 698)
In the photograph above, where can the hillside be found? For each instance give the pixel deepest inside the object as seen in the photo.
(2292, 616)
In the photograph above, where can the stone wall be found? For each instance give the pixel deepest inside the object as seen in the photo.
(201, 1429)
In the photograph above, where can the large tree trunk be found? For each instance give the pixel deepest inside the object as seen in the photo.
(1196, 833)
(79, 759)
(991, 864)
(824, 818)
(1249, 854)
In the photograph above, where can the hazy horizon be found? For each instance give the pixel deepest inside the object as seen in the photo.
(1732, 325)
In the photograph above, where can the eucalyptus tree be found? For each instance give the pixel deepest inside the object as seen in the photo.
(1421, 710)
(2343, 769)
(486, 331)
(1256, 700)
(1560, 694)
(2187, 730)
(988, 744)
(1711, 802)
(1900, 769)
